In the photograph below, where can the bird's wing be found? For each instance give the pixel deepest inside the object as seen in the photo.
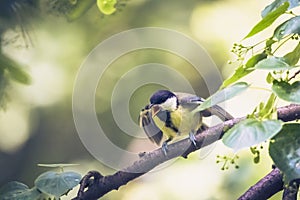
(192, 101)
(147, 123)
(188, 99)
(218, 111)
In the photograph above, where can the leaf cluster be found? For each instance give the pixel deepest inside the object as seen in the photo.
(262, 124)
(49, 185)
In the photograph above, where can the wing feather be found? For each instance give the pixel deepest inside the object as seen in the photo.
(191, 101)
(188, 99)
(151, 130)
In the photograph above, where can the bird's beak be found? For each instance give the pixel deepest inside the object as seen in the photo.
(155, 109)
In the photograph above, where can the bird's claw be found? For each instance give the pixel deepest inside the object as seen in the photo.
(164, 148)
(193, 139)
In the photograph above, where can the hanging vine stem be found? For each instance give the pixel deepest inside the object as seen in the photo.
(283, 42)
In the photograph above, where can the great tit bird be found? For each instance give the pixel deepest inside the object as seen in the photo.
(170, 114)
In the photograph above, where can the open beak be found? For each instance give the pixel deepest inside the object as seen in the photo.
(155, 109)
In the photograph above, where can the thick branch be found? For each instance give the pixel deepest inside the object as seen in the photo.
(270, 185)
(266, 187)
(102, 185)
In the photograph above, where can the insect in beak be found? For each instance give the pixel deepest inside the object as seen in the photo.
(155, 109)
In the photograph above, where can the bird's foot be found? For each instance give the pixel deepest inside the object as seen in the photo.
(164, 148)
(193, 139)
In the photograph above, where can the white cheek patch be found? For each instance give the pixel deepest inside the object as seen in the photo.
(170, 104)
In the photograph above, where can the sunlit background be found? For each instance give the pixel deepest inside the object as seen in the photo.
(37, 124)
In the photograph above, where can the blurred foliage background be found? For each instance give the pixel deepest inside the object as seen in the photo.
(50, 39)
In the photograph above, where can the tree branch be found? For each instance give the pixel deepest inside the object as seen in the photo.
(100, 185)
(270, 185)
(266, 187)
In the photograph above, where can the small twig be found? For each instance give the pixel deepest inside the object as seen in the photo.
(296, 73)
(287, 38)
(291, 191)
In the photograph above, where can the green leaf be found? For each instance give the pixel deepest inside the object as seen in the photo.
(268, 110)
(286, 91)
(270, 104)
(13, 186)
(290, 26)
(18, 191)
(239, 73)
(222, 95)
(255, 59)
(274, 5)
(15, 70)
(250, 132)
(284, 149)
(242, 71)
(292, 58)
(270, 42)
(268, 19)
(273, 63)
(107, 7)
(57, 184)
(270, 78)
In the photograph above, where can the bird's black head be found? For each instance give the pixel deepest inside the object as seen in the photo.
(161, 96)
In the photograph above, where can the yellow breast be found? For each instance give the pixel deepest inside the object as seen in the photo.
(184, 121)
(189, 122)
